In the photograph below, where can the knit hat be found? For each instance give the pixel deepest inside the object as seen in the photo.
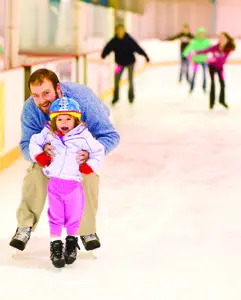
(65, 106)
(201, 30)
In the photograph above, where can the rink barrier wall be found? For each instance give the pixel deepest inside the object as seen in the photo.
(86, 68)
(11, 101)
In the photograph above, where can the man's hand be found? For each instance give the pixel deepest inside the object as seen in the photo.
(48, 150)
(82, 157)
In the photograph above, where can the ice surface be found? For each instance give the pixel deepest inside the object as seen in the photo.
(169, 214)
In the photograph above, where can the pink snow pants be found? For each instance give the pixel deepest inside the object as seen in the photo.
(66, 205)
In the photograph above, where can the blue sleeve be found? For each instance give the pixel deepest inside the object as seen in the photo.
(96, 117)
(28, 128)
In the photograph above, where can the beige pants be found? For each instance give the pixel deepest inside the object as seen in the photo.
(34, 193)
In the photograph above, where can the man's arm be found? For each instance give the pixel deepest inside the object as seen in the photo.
(139, 50)
(95, 115)
(107, 49)
(174, 37)
(28, 128)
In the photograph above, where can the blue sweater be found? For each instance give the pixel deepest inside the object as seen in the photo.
(94, 113)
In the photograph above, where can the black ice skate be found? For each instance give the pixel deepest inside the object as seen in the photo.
(224, 104)
(90, 241)
(70, 252)
(114, 101)
(57, 254)
(21, 237)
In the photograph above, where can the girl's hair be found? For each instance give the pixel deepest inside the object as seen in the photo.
(53, 127)
(230, 45)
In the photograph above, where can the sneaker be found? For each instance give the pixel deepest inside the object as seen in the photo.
(21, 237)
(57, 253)
(71, 246)
(131, 100)
(90, 241)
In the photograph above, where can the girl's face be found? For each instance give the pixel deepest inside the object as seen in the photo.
(202, 35)
(222, 39)
(65, 123)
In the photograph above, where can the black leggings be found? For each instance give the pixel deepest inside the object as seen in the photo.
(212, 71)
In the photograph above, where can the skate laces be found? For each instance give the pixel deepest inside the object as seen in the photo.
(23, 234)
(71, 244)
(57, 248)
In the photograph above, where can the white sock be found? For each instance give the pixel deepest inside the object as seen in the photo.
(73, 235)
(55, 238)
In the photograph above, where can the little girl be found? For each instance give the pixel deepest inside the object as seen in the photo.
(200, 42)
(220, 53)
(67, 135)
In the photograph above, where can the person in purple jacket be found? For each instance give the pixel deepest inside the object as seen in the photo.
(66, 133)
(220, 53)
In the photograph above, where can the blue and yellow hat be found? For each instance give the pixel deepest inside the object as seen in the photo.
(65, 105)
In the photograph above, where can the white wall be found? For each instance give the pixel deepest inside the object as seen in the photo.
(1, 18)
(13, 104)
(99, 76)
(229, 16)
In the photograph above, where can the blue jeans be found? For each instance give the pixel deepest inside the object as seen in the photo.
(130, 69)
(184, 68)
(195, 68)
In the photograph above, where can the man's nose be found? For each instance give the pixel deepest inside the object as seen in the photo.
(42, 99)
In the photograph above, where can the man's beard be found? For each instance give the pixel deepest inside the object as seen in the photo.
(44, 107)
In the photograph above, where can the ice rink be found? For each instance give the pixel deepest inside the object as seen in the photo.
(169, 214)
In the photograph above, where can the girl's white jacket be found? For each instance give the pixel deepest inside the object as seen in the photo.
(64, 164)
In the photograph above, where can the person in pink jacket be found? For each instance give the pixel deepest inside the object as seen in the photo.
(216, 62)
(66, 133)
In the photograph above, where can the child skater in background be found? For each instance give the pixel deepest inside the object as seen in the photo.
(185, 36)
(200, 42)
(67, 135)
(220, 53)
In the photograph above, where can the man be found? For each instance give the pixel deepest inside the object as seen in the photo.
(45, 88)
(185, 37)
(124, 47)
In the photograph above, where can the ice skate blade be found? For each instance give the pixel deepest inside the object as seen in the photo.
(15, 253)
(93, 253)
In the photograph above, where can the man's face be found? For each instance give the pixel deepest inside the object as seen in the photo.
(44, 94)
(186, 29)
(120, 32)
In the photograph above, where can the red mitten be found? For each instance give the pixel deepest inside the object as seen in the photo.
(43, 159)
(85, 169)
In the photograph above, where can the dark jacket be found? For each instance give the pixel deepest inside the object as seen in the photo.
(185, 39)
(124, 50)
